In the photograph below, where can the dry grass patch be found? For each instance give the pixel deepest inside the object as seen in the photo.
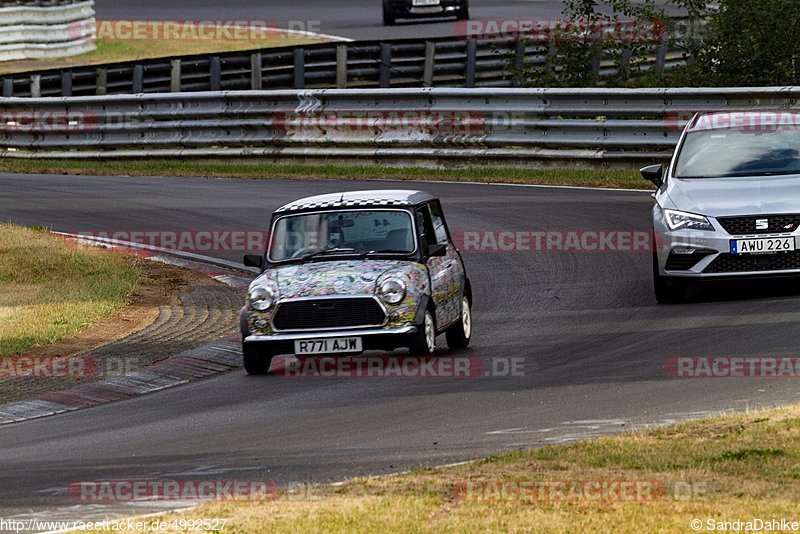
(740, 466)
(50, 289)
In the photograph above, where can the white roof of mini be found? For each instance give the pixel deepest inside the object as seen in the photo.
(353, 199)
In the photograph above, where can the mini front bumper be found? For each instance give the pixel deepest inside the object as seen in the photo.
(385, 338)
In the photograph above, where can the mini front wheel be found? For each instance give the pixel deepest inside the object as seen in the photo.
(257, 359)
(424, 343)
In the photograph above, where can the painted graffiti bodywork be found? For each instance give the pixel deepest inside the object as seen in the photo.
(343, 278)
(431, 273)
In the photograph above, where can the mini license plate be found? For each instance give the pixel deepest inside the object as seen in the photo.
(767, 245)
(328, 346)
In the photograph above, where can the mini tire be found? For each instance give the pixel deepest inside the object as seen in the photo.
(667, 290)
(459, 334)
(256, 359)
(424, 342)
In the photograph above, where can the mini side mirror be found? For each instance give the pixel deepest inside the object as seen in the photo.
(654, 174)
(254, 260)
(437, 250)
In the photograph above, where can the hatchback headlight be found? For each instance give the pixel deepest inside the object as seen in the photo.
(261, 298)
(678, 220)
(392, 291)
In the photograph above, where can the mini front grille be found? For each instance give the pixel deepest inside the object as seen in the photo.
(754, 224)
(742, 263)
(318, 314)
(684, 262)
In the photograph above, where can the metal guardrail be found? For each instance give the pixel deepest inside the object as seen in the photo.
(469, 126)
(46, 29)
(442, 62)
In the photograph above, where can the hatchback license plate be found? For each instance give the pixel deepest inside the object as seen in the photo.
(328, 346)
(423, 3)
(767, 245)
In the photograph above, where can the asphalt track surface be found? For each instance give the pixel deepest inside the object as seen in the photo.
(354, 19)
(593, 341)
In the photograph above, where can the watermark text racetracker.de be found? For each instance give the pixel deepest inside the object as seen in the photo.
(192, 29)
(572, 490)
(152, 489)
(210, 240)
(733, 367)
(74, 367)
(740, 121)
(560, 30)
(373, 366)
(553, 240)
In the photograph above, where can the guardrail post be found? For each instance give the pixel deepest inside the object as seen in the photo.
(385, 76)
(138, 78)
(8, 87)
(341, 66)
(299, 68)
(596, 67)
(215, 73)
(427, 70)
(255, 71)
(66, 83)
(175, 76)
(519, 62)
(36, 85)
(627, 54)
(661, 58)
(469, 67)
(101, 81)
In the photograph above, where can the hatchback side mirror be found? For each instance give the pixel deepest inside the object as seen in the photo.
(254, 260)
(654, 174)
(437, 250)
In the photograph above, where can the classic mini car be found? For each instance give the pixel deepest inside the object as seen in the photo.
(355, 271)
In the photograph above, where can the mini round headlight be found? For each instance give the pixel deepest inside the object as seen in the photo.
(261, 298)
(392, 291)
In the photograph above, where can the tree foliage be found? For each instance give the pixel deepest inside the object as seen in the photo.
(733, 43)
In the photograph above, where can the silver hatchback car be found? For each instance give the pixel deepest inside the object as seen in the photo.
(728, 204)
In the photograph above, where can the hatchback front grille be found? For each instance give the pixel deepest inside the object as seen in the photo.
(742, 263)
(323, 313)
(754, 224)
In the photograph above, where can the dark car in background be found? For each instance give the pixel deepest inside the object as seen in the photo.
(413, 9)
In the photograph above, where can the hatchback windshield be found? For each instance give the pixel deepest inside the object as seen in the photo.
(342, 233)
(718, 153)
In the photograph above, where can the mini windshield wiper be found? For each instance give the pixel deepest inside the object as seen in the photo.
(385, 251)
(330, 251)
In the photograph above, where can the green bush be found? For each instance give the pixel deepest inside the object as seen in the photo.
(743, 43)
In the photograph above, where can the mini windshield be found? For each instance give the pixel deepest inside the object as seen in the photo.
(338, 233)
(739, 152)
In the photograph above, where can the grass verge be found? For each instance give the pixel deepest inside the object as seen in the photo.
(734, 467)
(115, 50)
(50, 289)
(574, 176)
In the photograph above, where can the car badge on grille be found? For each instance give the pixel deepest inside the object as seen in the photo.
(789, 226)
(762, 224)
